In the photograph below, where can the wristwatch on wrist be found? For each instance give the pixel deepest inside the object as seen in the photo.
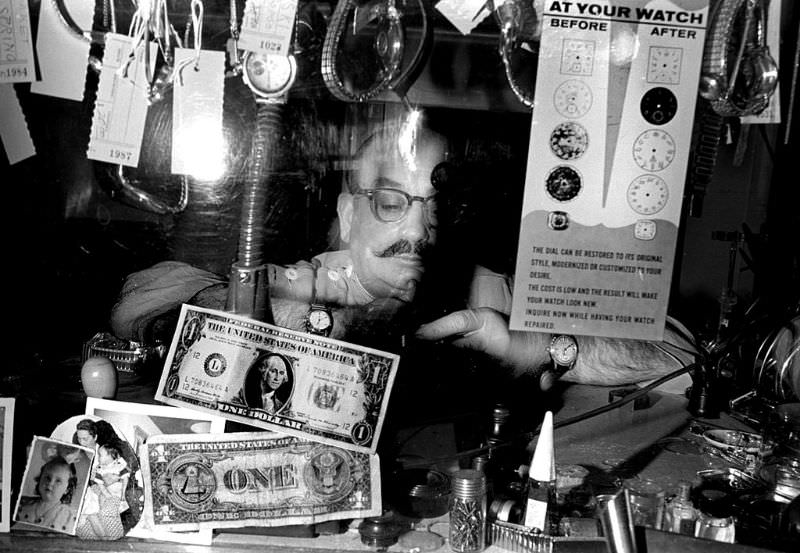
(319, 319)
(563, 351)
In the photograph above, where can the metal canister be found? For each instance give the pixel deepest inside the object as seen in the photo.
(468, 511)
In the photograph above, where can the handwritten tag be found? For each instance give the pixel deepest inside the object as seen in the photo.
(465, 15)
(63, 54)
(16, 47)
(14, 130)
(197, 139)
(121, 106)
(267, 26)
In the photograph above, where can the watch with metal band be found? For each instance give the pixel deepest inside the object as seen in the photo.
(563, 351)
(126, 355)
(739, 75)
(319, 319)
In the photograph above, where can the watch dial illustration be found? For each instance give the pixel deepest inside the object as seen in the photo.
(645, 229)
(569, 140)
(659, 105)
(573, 99)
(558, 220)
(647, 194)
(563, 183)
(577, 57)
(664, 65)
(653, 150)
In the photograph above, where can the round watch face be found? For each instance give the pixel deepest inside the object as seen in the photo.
(563, 183)
(654, 150)
(319, 319)
(564, 349)
(569, 140)
(648, 194)
(269, 75)
(658, 106)
(573, 99)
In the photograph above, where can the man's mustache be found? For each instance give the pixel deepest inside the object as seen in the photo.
(420, 247)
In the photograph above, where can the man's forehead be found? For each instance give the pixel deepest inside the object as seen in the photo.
(386, 167)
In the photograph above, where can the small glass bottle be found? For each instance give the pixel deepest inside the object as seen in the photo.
(498, 433)
(680, 514)
(468, 511)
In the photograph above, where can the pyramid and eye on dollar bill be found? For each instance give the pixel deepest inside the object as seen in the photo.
(320, 402)
(264, 479)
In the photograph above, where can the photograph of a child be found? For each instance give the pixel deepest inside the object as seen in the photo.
(50, 496)
(109, 481)
(114, 496)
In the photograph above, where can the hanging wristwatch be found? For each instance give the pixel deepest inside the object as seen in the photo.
(269, 76)
(319, 319)
(563, 351)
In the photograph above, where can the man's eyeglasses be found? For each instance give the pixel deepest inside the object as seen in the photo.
(390, 205)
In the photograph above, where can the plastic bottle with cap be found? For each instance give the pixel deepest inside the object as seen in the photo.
(541, 488)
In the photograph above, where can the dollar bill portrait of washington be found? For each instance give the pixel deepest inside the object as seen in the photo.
(269, 382)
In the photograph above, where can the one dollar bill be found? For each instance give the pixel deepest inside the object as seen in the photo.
(199, 481)
(328, 391)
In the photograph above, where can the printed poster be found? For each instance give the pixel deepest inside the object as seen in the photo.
(610, 138)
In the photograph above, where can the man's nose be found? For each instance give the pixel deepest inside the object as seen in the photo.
(415, 226)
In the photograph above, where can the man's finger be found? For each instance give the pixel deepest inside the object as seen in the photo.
(456, 324)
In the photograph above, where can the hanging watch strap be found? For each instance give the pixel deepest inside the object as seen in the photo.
(317, 307)
(315, 265)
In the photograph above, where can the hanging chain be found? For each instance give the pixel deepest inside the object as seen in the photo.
(330, 47)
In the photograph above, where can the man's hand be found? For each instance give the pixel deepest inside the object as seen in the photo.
(486, 330)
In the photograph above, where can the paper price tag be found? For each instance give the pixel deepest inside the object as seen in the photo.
(465, 15)
(62, 54)
(121, 106)
(14, 130)
(197, 139)
(16, 46)
(267, 26)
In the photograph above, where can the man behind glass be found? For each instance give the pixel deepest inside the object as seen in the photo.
(387, 220)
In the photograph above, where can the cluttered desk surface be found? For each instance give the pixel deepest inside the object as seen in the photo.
(653, 438)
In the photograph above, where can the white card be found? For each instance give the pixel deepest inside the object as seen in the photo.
(62, 54)
(267, 26)
(14, 130)
(465, 15)
(16, 44)
(197, 139)
(121, 106)
(6, 442)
